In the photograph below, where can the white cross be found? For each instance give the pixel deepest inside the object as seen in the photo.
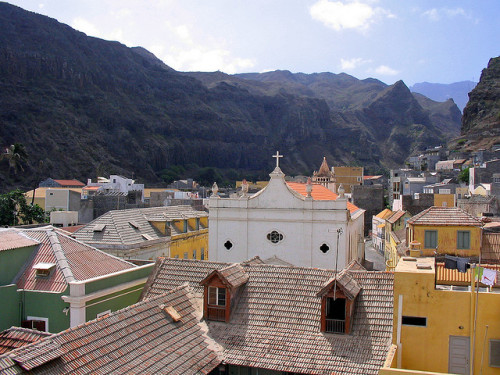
(277, 156)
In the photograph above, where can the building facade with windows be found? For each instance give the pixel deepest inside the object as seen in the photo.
(50, 281)
(147, 233)
(302, 224)
(445, 230)
(442, 328)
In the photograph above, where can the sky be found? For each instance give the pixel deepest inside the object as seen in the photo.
(439, 41)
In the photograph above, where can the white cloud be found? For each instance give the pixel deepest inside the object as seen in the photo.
(199, 58)
(352, 63)
(338, 15)
(41, 6)
(85, 26)
(386, 71)
(435, 14)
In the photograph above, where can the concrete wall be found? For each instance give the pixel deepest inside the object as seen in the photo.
(10, 314)
(415, 206)
(371, 199)
(447, 239)
(448, 313)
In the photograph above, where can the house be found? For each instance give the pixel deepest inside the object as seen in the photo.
(302, 224)
(50, 281)
(397, 177)
(478, 205)
(118, 184)
(348, 177)
(51, 183)
(282, 319)
(147, 233)
(450, 165)
(445, 230)
(57, 198)
(483, 174)
(378, 229)
(375, 180)
(161, 335)
(442, 328)
(395, 237)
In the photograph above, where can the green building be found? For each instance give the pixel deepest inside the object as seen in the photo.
(50, 282)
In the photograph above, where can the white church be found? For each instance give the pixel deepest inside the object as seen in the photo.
(300, 224)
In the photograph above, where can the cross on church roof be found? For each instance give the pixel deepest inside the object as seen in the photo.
(277, 156)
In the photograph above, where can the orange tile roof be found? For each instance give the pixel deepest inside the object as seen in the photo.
(384, 214)
(70, 183)
(319, 193)
(9, 239)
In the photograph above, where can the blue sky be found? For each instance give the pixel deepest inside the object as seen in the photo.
(441, 41)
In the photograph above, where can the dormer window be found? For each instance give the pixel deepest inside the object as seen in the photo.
(221, 286)
(43, 269)
(338, 297)
(216, 303)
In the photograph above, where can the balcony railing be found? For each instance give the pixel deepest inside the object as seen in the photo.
(217, 313)
(335, 326)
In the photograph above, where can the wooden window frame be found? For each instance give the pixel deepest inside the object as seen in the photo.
(460, 241)
(430, 244)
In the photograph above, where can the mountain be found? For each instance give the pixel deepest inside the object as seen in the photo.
(441, 92)
(481, 119)
(88, 107)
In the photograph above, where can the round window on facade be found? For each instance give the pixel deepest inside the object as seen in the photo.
(324, 248)
(275, 236)
(228, 245)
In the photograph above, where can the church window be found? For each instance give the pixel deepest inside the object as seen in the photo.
(324, 248)
(275, 236)
(228, 245)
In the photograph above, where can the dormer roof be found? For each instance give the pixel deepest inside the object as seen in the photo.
(345, 282)
(232, 276)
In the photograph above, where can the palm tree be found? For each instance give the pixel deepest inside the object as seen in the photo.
(15, 155)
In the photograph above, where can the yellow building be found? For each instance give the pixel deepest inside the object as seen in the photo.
(442, 328)
(444, 200)
(189, 238)
(395, 237)
(445, 230)
(348, 177)
(148, 233)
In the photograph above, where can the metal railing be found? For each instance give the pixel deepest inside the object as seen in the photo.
(217, 313)
(335, 326)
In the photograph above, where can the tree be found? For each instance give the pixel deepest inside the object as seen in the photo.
(463, 176)
(14, 209)
(16, 155)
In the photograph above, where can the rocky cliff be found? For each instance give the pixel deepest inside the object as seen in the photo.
(481, 119)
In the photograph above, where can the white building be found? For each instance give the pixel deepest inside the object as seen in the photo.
(117, 184)
(289, 221)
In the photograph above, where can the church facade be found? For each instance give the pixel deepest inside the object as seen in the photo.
(302, 224)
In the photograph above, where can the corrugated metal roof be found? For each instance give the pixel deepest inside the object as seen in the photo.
(12, 239)
(74, 261)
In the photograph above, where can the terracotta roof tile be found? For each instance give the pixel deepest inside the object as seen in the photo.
(15, 337)
(320, 193)
(395, 216)
(75, 183)
(141, 339)
(275, 322)
(444, 216)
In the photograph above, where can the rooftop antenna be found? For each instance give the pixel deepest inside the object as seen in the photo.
(339, 232)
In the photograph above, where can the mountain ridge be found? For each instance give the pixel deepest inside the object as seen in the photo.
(89, 107)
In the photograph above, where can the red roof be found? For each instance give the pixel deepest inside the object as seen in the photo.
(74, 183)
(16, 337)
(320, 193)
(79, 261)
(92, 187)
